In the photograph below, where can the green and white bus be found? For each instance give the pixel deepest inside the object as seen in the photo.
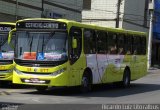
(59, 52)
(6, 52)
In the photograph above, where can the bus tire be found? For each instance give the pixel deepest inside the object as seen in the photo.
(86, 83)
(126, 78)
(41, 88)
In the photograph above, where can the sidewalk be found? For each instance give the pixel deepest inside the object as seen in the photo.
(154, 69)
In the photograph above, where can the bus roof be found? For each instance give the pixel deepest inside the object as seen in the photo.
(7, 23)
(91, 26)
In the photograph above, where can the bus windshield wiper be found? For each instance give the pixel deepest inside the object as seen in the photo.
(30, 43)
(51, 36)
(45, 42)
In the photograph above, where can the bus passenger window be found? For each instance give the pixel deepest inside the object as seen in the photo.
(128, 45)
(112, 43)
(89, 41)
(120, 43)
(136, 45)
(113, 49)
(101, 42)
(120, 51)
(143, 45)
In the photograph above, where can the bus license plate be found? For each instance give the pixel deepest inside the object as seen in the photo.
(35, 80)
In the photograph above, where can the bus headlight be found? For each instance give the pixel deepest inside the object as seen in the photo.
(58, 72)
(17, 71)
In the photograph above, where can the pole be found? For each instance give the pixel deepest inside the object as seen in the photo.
(42, 14)
(16, 13)
(118, 13)
(150, 39)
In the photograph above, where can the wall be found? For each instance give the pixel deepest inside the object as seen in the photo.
(103, 13)
(33, 8)
(133, 16)
(71, 9)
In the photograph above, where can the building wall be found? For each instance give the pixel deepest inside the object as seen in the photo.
(6, 17)
(133, 16)
(71, 8)
(24, 9)
(104, 13)
(33, 8)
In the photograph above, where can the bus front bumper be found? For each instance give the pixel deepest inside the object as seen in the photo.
(40, 80)
(6, 76)
(6, 72)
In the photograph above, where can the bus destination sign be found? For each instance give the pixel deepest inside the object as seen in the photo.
(41, 25)
(6, 29)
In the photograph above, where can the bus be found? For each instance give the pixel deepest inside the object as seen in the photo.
(6, 52)
(65, 53)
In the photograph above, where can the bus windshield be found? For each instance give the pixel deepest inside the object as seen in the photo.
(6, 52)
(44, 46)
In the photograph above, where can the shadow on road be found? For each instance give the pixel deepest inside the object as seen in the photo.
(110, 90)
(9, 85)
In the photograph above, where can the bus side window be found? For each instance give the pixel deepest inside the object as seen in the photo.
(128, 44)
(112, 43)
(120, 43)
(143, 45)
(101, 42)
(75, 33)
(89, 41)
(136, 45)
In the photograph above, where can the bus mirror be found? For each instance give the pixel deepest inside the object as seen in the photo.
(74, 43)
(10, 37)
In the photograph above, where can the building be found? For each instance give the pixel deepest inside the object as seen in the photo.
(156, 33)
(127, 14)
(10, 10)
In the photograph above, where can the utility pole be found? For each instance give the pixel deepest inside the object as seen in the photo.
(151, 10)
(42, 14)
(150, 39)
(118, 13)
(16, 11)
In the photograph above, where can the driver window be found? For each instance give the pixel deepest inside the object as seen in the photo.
(75, 33)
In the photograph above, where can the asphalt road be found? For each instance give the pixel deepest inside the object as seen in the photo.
(143, 91)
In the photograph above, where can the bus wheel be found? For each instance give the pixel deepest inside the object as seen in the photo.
(41, 88)
(126, 78)
(86, 83)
